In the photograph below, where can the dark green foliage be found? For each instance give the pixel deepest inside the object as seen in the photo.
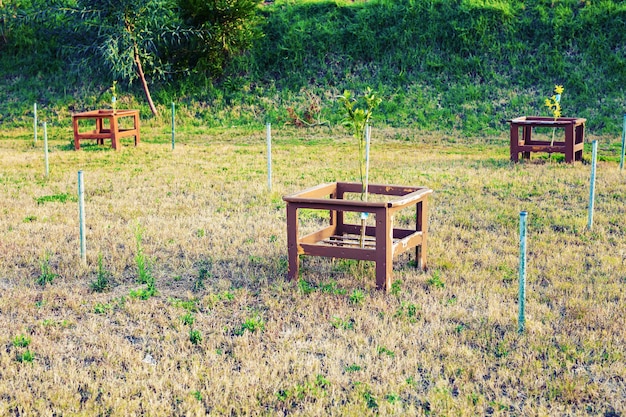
(221, 29)
(204, 273)
(126, 37)
(26, 356)
(61, 198)
(438, 64)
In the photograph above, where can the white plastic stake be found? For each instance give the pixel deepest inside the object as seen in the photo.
(45, 147)
(621, 161)
(365, 185)
(81, 216)
(173, 128)
(592, 183)
(268, 131)
(35, 121)
(368, 133)
(522, 272)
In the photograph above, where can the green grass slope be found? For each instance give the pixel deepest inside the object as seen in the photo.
(447, 65)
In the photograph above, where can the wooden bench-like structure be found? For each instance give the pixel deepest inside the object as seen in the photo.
(342, 240)
(112, 131)
(572, 146)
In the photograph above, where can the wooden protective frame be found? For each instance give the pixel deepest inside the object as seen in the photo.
(100, 133)
(572, 146)
(383, 241)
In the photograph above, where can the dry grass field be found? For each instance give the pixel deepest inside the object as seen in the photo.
(183, 307)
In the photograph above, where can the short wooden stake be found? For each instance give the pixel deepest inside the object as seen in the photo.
(592, 183)
(81, 216)
(522, 271)
(268, 134)
(45, 147)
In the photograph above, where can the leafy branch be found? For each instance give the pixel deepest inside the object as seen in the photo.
(357, 118)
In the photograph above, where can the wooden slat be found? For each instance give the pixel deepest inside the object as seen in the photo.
(318, 235)
(402, 245)
(363, 254)
(322, 190)
(349, 240)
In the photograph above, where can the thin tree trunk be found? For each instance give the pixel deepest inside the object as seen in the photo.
(144, 83)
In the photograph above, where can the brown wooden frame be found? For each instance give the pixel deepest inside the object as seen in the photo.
(572, 146)
(340, 239)
(113, 132)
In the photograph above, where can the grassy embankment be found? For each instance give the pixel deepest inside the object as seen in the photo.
(223, 332)
(440, 65)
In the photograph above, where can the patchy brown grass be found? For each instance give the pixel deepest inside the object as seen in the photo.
(227, 335)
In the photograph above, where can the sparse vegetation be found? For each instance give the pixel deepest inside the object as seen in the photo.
(259, 340)
(46, 276)
(102, 281)
(225, 334)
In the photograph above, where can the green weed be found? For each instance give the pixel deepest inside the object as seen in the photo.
(46, 276)
(392, 398)
(59, 198)
(370, 400)
(305, 287)
(352, 368)
(435, 280)
(187, 319)
(143, 293)
(203, 274)
(396, 287)
(143, 269)
(195, 336)
(102, 281)
(102, 308)
(381, 350)
(299, 392)
(356, 297)
(321, 381)
(21, 341)
(408, 310)
(189, 305)
(331, 288)
(26, 356)
(213, 299)
(144, 275)
(339, 323)
(251, 324)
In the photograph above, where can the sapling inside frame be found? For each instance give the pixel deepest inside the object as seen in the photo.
(358, 116)
(554, 104)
